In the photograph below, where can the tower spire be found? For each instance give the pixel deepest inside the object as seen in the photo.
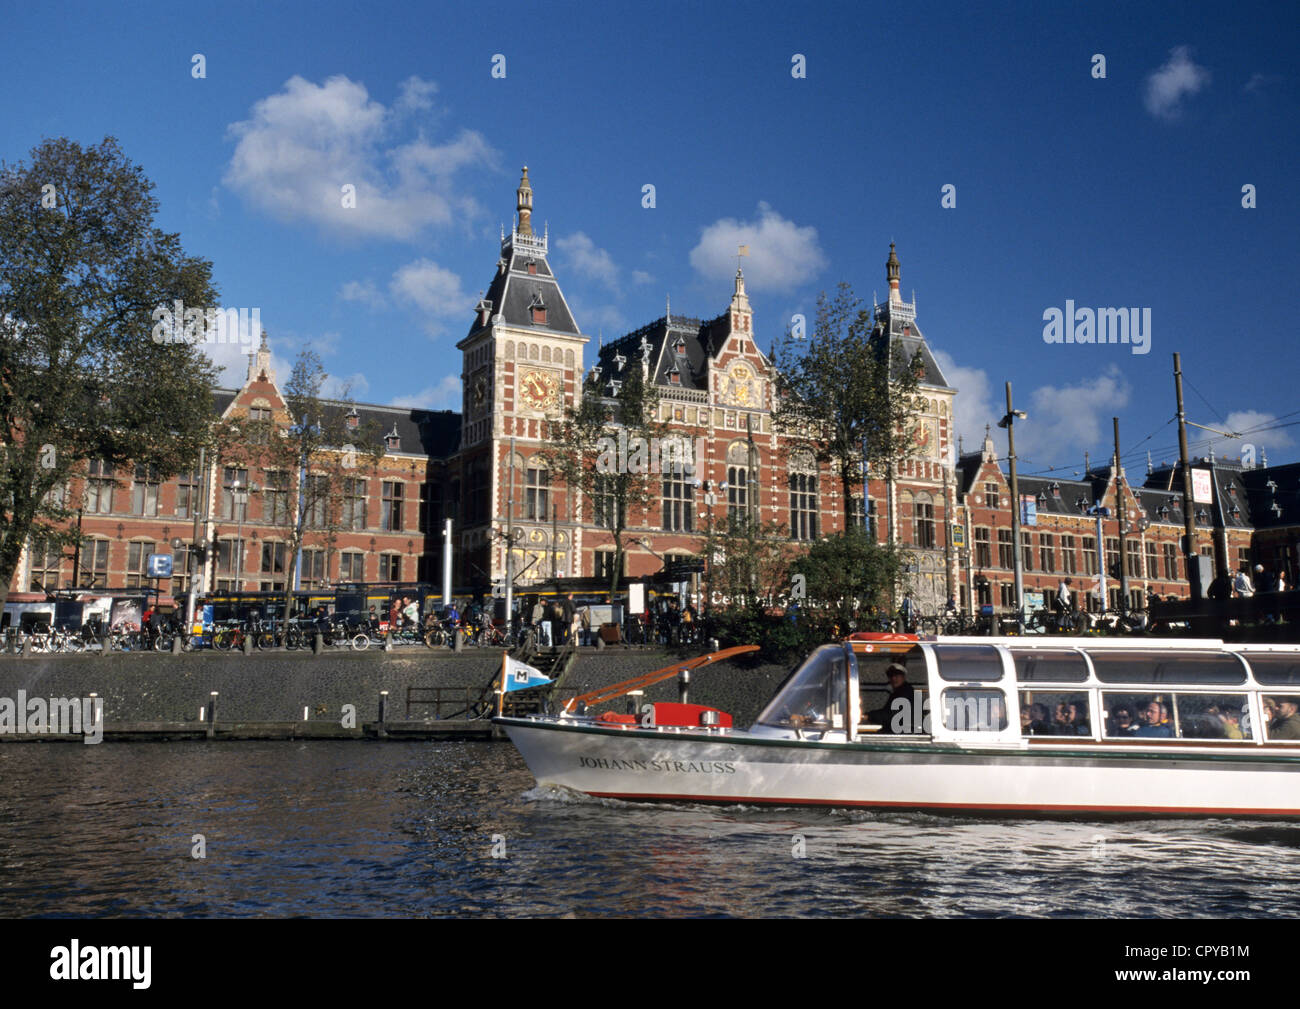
(525, 204)
(893, 273)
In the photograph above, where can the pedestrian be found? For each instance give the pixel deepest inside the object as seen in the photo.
(568, 613)
(1242, 585)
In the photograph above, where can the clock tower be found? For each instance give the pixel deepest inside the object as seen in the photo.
(521, 365)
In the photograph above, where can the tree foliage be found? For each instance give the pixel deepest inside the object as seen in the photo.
(306, 459)
(845, 387)
(601, 448)
(82, 267)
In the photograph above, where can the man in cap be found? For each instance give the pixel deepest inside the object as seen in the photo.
(898, 714)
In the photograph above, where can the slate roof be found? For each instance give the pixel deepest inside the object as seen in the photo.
(674, 343)
(513, 290)
(904, 334)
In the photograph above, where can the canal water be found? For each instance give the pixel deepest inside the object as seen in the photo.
(434, 829)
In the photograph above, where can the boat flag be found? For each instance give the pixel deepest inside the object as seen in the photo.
(519, 675)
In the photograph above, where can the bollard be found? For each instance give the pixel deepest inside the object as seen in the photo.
(105, 645)
(248, 644)
(212, 715)
(318, 643)
(388, 641)
(383, 713)
(458, 642)
(600, 643)
(683, 684)
(176, 645)
(27, 647)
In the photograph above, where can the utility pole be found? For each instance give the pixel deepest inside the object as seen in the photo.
(1122, 512)
(1009, 422)
(1190, 554)
(510, 537)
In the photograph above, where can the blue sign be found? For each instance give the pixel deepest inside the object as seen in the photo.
(159, 565)
(1028, 510)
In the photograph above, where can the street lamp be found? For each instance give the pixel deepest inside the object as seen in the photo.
(1009, 422)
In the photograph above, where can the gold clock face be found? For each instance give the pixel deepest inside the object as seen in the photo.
(539, 390)
(741, 390)
(923, 438)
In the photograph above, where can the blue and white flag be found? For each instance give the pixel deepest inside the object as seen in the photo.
(520, 675)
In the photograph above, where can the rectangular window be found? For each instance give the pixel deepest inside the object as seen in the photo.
(983, 549)
(137, 564)
(352, 567)
(605, 507)
(313, 567)
(99, 488)
(187, 495)
(991, 498)
(316, 501)
(1090, 555)
(390, 510)
(537, 493)
(1006, 559)
(1027, 550)
(234, 494)
(1047, 552)
(390, 567)
(273, 559)
(1171, 562)
(1153, 563)
(1133, 558)
(276, 497)
(182, 558)
(232, 556)
(46, 563)
(1112, 556)
(354, 504)
(1007, 595)
(144, 491)
(803, 506)
(604, 563)
(679, 501)
(737, 492)
(94, 564)
(260, 426)
(1069, 559)
(923, 512)
(430, 517)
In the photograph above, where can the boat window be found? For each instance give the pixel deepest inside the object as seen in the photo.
(1054, 713)
(1167, 667)
(1176, 716)
(815, 695)
(1054, 667)
(959, 663)
(1282, 712)
(1275, 669)
(1212, 716)
(884, 710)
(974, 710)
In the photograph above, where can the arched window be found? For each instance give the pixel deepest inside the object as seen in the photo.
(738, 480)
(679, 499)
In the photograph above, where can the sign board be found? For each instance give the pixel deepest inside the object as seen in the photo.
(959, 536)
(1202, 488)
(1033, 600)
(159, 565)
(1028, 510)
(636, 598)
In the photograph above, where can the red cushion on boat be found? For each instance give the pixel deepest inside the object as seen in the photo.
(612, 716)
(673, 713)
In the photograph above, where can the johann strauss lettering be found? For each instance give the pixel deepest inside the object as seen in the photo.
(663, 766)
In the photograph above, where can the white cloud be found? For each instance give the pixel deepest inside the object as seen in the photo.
(300, 146)
(446, 395)
(975, 404)
(1065, 421)
(232, 361)
(641, 277)
(588, 261)
(435, 291)
(597, 319)
(1248, 423)
(1258, 83)
(1167, 87)
(363, 291)
(782, 255)
(354, 386)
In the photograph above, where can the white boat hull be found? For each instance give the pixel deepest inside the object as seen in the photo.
(1062, 777)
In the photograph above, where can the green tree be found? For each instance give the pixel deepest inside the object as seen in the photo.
(845, 578)
(82, 268)
(602, 448)
(306, 459)
(848, 386)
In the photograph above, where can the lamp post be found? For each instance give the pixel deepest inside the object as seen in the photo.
(240, 497)
(1009, 422)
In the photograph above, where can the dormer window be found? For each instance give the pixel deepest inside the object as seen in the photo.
(393, 440)
(679, 347)
(353, 419)
(532, 267)
(484, 310)
(675, 377)
(537, 308)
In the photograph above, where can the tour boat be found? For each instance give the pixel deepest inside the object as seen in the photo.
(1017, 726)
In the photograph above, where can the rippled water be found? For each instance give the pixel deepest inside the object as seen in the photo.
(357, 829)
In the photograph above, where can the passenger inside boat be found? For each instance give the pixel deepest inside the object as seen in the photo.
(1054, 713)
(892, 694)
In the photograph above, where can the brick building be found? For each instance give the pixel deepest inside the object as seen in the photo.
(524, 357)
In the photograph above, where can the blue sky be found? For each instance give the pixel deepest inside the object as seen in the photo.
(1122, 191)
